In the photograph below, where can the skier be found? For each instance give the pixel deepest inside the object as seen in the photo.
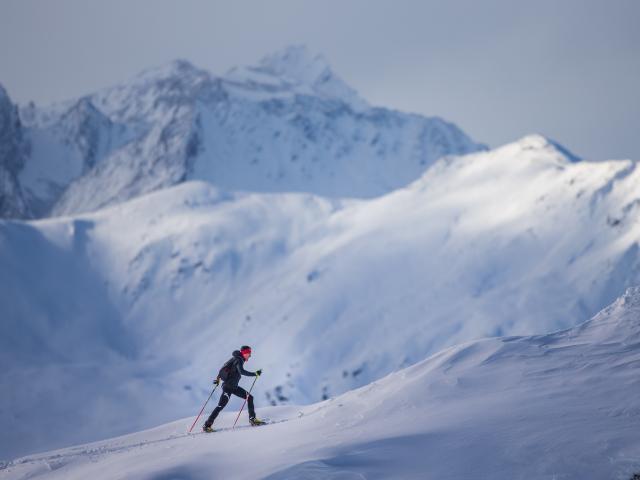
(230, 374)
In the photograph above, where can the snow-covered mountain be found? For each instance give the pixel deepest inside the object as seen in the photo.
(561, 405)
(120, 318)
(12, 158)
(289, 124)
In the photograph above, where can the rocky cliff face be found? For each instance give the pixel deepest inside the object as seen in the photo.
(13, 152)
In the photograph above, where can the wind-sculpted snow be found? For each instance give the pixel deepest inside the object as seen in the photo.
(124, 316)
(561, 405)
(289, 124)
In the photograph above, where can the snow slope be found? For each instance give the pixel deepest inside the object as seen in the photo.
(556, 406)
(117, 320)
(288, 124)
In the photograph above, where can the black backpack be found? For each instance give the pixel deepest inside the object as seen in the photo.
(226, 370)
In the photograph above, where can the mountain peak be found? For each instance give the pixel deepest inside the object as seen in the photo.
(168, 85)
(178, 68)
(538, 142)
(629, 303)
(298, 65)
(296, 62)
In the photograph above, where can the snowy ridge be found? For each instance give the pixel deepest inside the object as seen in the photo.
(289, 124)
(561, 405)
(156, 292)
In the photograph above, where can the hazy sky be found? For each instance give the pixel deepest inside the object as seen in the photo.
(499, 69)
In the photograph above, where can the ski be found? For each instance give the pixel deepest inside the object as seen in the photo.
(265, 421)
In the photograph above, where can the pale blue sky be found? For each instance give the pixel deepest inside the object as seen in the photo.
(500, 69)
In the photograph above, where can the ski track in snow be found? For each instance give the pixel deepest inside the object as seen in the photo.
(93, 453)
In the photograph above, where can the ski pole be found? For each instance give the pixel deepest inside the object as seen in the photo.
(205, 404)
(245, 401)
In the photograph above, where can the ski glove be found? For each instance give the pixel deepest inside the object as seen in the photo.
(258, 372)
(216, 381)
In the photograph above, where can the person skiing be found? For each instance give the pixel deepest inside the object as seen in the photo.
(230, 374)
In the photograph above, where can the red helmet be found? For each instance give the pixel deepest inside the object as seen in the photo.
(245, 349)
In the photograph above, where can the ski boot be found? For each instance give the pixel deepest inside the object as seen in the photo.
(207, 429)
(256, 422)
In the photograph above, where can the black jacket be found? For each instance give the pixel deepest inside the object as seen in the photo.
(234, 368)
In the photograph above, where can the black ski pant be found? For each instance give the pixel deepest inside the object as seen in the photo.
(227, 391)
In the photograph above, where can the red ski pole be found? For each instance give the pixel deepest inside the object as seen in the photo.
(205, 404)
(245, 401)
